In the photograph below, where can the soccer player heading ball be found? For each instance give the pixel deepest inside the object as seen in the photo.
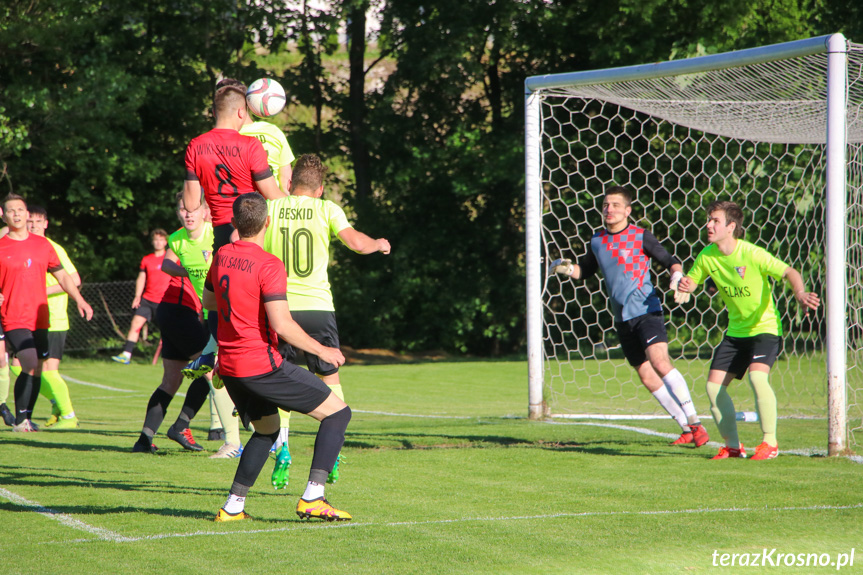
(622, 251)
(754, 337)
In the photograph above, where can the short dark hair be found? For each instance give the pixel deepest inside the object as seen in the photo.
(229, 82)
(13, 196)
(620, 191)
(229, 98)
(308, 173)
(158, 232)
(36, 210)
(250, 214)
(733, 214)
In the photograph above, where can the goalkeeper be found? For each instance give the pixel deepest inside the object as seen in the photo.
(754, 337)
(622, 251)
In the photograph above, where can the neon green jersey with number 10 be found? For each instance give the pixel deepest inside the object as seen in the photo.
(300, 231)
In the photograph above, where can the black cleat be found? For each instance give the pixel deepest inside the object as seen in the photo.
(8, 416)
(144, 448)
(184, 438)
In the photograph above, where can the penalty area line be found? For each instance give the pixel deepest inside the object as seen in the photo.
(62, 518)
(480, 520)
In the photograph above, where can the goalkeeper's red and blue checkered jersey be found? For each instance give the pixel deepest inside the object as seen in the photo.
(624, 259)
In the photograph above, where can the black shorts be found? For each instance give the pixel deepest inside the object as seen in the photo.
(183, 335)
(56, 344)
(735, 354)
(639, 333)
(221, 236)
(20, 339)
(321, 327)
(288, 386)
(147, 309)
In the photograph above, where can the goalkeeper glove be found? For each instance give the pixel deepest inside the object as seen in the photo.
(679, 296)
(561, 267)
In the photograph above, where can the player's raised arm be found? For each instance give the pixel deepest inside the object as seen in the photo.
(65, 280)
(363, 244)
(809, 300)
(192, 195)
(269, 188)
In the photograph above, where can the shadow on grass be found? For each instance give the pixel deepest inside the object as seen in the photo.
(36, 477)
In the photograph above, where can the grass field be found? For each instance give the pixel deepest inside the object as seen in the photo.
(443, 475)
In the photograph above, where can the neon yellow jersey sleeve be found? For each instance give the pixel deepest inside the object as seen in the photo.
(744, 286)
(300, 231)
(195, 255)
(58, 303)
(275, 143)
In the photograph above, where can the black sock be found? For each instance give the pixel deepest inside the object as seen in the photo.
(129, 346)
(195, 398)
(26, 391)
(156, 408)
(330, 438)
(213, 323)
(255, 455)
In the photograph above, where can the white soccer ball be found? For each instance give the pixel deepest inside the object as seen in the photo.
(265, 97)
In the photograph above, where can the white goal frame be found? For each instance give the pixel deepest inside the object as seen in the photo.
(835, 137)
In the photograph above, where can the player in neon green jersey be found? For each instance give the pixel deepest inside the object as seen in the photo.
(741, 272)
(302, 226)
(53, 387)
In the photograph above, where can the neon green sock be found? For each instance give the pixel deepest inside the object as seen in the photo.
(337, 389)
(59, 391)
(722, 408)
(284, 418)
(765, 403)
(4, 383)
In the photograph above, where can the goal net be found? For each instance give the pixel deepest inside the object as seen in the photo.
(748, 126)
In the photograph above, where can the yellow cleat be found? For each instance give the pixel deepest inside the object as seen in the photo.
(320, 508)
(65, 423)
(223, 515)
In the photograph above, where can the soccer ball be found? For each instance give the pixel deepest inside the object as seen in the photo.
(265, 97)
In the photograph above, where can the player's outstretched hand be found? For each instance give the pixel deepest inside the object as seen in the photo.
(85, 310)
(384, 246)
(679, 296)
(561, 267)
(332, 355)
(136, 303)
(808, 300)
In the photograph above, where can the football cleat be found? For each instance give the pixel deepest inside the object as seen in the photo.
(228, 451)
(699, 435)
(334, 474)
(765, 451)
(25, 426)
(122, 359)
(282, 469)
(320, 508)
(726, 452)
(184, 438)
(200, 366)
(223, 515)
(144, 448)
(65, 423)
(685, 437)
(55, 415)
(6, 413)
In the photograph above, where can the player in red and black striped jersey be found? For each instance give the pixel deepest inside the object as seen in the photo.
(247, 287)
(25, 258)
(150, 286)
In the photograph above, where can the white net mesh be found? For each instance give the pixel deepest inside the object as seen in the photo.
(750, 134)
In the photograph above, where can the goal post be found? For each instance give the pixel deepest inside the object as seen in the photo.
(778, 129)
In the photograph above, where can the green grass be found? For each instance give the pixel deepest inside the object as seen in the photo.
(481, 490)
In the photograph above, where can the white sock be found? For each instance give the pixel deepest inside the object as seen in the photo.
(313, 491)
(669, 403)
(69, 415)
(235, 504)
(126, 354)
(211, 347)
(676, 384)
(283, 438)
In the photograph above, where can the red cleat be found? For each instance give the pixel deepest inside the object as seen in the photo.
(699, 435)
(685, 437)
(765, 451)
(729, 452)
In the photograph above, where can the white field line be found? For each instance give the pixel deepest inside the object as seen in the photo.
(414, 415)
(477, 520)
(109, 388)
(101, 534)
